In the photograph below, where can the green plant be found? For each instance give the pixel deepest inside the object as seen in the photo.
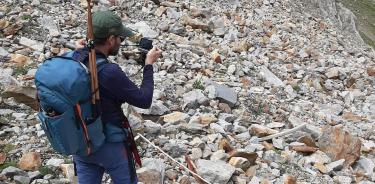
(44, 170)
(296, 88)
(7, 148)
(7, 164)
(198, 84)
(19, 70)
(26, 17)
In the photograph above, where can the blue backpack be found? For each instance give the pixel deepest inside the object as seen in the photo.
(66, 111)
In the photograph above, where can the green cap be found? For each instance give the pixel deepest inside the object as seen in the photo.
(106, 23)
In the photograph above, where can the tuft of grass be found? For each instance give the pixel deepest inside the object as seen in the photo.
(7, 164)
(26, 17)
(19, 70)
(44, 170)
(198, 84)
(7, 148)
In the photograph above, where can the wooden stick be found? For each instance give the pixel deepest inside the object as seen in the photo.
(92, 57)
(286, 132)
(174, 160)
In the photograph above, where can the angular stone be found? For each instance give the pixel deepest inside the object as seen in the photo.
(55, 162)
(371, 71)
(38, 46)
(157, 108)
(336, 165)
(307, 140)
(332, 73)
(339, 144)
(270, 77)
(25, 95)
(160, 11)
(321, 167)
(289, 179)
(33, 175)
(151, 127)
(30, 161)
(366, 165)
(342, 179)
(21, 179)
(20, 60)
(48, 23)
(240, 162)
(3, 53)
(143, 28)
(261, 131)
(204, 119)
(146, 175)
(194, 98)
(215, 171)
(318, 157)
(196, 153)
(223, 93)
(12, 171)
(195, 24)
(216, 57)
(303, 149)
(153, 171)
(219, 155)
(241, 46)
(176, 117)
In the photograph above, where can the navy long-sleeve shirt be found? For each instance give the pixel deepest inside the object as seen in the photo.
(116, 88)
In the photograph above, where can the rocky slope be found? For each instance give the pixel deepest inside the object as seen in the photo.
(231, 72)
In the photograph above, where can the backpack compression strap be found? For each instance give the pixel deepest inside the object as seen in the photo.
(78, 112)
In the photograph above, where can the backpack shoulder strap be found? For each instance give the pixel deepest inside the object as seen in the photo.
(100, 64)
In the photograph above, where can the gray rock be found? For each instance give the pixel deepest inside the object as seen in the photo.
(228, 127)
(12, 171)
(157, 108)
(38, 46)
(217, 128)
(173, 14)
(175, 149)
(219, 155)
(270, 77)
(278, 143)
(3, 53)
(343, 179)
(227, 117)
(156, 165)
(143, 28)
(215, 171)
(336, 165)
(40, 181)
(177, 29)
(223, 93)
(55, 162)
(194, 98)
(366, 165)
(21, 179)
(48, 23)
(6, 76)
(196, 153)
(151, 127)
(34, 174)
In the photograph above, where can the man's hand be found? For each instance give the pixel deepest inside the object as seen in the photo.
(153, 55)
(80, 44)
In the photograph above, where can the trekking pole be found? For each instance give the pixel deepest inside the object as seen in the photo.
(92, 62)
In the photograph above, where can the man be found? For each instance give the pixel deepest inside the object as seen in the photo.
(115, 89)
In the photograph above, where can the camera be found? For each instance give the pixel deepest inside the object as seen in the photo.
(144, 46)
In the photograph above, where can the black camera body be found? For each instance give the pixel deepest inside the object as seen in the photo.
(145, 45)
